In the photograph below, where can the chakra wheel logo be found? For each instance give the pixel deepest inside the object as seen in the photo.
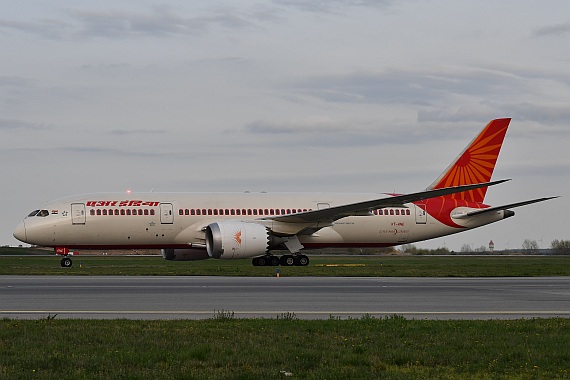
(476, 163)
(237, 237)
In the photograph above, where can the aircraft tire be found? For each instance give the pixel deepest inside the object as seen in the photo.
(287, 260)
(66, 262)
(261, 261)
(255, 261)
(273, 261)
(302, 261)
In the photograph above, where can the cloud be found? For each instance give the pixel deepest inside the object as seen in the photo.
(353, 133)
(13, 81)
(6, 124)
(126, 132)
(554, 117)
(332, 6)
(552, 30)
(48, 28)
(160, 21)
(394, 86)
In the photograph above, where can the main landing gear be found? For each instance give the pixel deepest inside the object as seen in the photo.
(66, 262)
(285, 261)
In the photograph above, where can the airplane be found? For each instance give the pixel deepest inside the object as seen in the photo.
(196, 226)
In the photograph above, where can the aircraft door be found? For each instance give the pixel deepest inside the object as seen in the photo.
(78, 213)
(166, 213)
(421, 215)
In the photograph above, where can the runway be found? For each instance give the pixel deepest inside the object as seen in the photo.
(185, 297)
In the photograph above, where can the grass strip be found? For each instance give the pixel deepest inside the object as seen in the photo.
(369, 266)
(227, 348)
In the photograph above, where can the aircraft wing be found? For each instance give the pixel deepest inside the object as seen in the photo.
(499, 208)
(329, 215)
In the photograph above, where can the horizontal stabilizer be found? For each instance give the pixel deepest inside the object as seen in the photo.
(500, 208)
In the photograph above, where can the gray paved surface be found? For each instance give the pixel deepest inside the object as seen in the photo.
(307, 297)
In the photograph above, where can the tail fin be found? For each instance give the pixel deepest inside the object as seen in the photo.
(476, 163)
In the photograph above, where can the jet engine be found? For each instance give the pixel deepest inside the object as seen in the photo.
(188, 254)
(236, 240)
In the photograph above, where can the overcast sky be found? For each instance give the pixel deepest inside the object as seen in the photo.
(284, 95)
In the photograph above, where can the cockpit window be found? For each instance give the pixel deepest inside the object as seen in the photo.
(33, 213)
(43, 213)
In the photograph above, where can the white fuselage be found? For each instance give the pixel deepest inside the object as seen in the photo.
(177, 220)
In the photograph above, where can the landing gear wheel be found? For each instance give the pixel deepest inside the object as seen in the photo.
(261, 261)
(301, 261)
(66, 262)
(274, 261)
(287, 260)
(255, 261)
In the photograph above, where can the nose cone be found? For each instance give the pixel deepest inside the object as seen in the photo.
(20, 232)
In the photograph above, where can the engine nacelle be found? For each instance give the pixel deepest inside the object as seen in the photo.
(236, 240)
(190, 254)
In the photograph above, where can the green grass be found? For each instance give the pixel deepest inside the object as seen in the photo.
(227, 348)
(375, 266)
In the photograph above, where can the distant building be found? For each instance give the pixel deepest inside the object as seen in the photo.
(491, 246)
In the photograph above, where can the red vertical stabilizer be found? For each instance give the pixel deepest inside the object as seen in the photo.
(476, 163)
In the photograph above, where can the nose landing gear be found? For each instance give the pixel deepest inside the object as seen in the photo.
(66, 262)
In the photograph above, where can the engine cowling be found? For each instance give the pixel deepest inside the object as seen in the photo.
(190, 254)
(236, 240)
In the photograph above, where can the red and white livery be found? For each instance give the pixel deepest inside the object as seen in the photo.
(193, 226)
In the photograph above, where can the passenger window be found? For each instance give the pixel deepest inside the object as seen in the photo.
(152, 212)
(180, 212)
(92, 212)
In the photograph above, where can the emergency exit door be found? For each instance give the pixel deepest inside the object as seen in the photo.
(78, 213)
(166, 213)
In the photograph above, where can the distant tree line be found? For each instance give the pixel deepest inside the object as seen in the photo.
(529, 246)
(561, 246)
(413, 250)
